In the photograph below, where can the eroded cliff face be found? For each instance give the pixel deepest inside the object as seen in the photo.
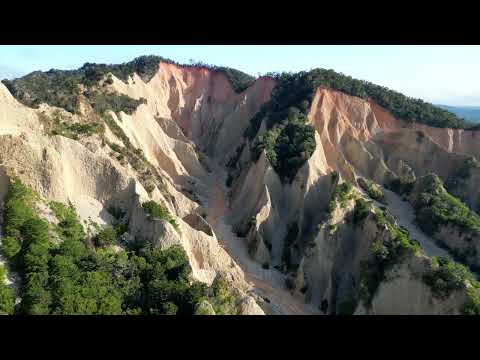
(354, 138)
(201, 102)
(192, 121)
(184, 107)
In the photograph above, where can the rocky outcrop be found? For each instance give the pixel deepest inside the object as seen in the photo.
(84, 173)
(202, 103)
(192, 117)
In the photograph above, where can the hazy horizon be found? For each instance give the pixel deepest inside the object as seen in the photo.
(443, 75)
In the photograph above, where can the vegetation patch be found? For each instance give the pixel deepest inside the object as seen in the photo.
(102, 101)
(400, 187)
(290, 140)
(446, 276)
(361, 210)
(372, 189)
(342, 194)
(148, 175)
(74, 277)
(58, 125)
(222, 298)
(158, 211)
(434, 207)
(7, 298)
(384, 255)
(106, 236)
(287, 147)
(69, 225)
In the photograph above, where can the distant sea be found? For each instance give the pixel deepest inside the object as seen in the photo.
(471, 113)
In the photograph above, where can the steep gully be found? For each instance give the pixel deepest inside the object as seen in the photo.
(270, 283)
(405, 216)
(267, 283)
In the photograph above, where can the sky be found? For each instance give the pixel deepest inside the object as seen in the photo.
(439, 74)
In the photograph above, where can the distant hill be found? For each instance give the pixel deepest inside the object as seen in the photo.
(471, 113)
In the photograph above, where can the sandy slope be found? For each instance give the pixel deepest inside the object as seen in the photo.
(405, 215)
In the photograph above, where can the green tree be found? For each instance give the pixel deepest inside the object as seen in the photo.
(106, 236)
(10, 247)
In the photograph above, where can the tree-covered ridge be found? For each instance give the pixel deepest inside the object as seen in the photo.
(287, 147)
(61, 87)
(409, 109)
(66, 272)
(289, 140)
(290, 103)
(240, 81)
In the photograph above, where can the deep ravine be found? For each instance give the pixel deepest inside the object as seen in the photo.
(267, 283)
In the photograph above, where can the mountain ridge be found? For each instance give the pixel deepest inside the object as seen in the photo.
(169, 162)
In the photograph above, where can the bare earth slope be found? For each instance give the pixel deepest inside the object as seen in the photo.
(191, 124)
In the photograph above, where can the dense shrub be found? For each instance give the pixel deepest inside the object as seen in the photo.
(74, 277)
(103, 101)
(342, 194)
(372, 189)
(54, 87)
(400, 186)
(167, 279)
(204, 308)
(7, 299)
(361, 211)
(224, 301)
(446, 276)
(69, 224)
(10, 247)
(472, 304)
(158, 211)
(18, 208)
(36, 298)
(116, 212)
(57, 125)
(289, 140)
(287, 147)
(106, 236)
(434, 206)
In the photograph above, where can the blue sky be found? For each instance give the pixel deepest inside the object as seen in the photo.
(439, 74)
